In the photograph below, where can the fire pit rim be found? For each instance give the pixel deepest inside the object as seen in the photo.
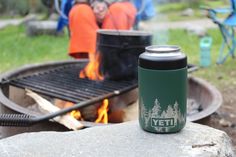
(15, 72)
(216, 102)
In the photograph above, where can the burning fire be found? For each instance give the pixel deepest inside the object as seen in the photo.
(76, 114)
(102, 112)
(91, 71)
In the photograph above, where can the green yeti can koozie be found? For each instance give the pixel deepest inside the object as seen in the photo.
(162, 80)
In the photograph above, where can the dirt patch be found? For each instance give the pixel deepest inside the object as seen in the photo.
(225, 118)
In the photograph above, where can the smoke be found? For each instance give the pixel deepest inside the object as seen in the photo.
(158, 26)
(160, 31)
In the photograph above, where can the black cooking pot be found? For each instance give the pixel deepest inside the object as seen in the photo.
(119, 51)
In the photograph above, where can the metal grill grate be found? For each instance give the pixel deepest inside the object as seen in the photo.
(64, 83)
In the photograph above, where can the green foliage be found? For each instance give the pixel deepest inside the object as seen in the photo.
(193, 3)
(216, 3)
(16, 49)
(173, 10)
(14, 7)
(219, 75)
(21, 7)
(171, 7)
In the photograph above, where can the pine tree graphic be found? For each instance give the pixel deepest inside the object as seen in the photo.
(145, 114)
(172, 111)
(156, 109)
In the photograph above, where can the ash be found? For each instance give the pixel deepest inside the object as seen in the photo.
(193, 107)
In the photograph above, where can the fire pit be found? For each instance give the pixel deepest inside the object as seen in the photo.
(60, 80)
(55, 85)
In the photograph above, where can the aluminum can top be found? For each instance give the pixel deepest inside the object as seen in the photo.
(163, 57)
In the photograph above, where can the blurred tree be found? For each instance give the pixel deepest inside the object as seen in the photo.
(32, 4)
(48, 3)
(14, 7)
(21, 7)
(2, 4)
(50, 6)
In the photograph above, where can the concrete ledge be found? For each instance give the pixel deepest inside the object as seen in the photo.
(125, 139)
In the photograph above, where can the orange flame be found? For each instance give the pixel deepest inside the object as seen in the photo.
(76, 114)
(102, 112)
(91, 71)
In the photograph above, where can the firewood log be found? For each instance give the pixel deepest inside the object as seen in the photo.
(47, 107)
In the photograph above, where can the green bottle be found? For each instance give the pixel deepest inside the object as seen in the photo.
(162, 80)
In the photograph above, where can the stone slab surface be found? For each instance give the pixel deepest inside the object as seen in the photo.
(120, 140)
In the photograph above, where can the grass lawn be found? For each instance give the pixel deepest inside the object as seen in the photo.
(16, 49)
(173, 10)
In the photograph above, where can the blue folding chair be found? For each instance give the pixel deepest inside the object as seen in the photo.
(227, 29)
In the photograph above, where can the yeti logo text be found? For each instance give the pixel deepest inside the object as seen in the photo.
(162, 122)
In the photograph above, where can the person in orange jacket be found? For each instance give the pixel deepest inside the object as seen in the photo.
(121, 16)
(85, 20)
(82, 28)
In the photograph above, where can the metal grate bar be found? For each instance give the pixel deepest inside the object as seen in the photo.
(48, 90)
(64, 83)
(79, 83)
(109, 85)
